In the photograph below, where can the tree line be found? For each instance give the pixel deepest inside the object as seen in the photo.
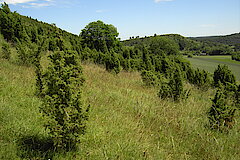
(189, 46)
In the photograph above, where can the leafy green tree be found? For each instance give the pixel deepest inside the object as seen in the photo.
(163, 46)
(223, 75)
(100, 36)
(63, 109)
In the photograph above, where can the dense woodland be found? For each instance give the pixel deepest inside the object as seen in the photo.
(159, 59)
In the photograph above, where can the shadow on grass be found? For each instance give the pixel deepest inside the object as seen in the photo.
(35, 147)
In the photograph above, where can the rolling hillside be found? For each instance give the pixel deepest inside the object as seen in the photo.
(232, 39)
(43, 67)
(127, 121)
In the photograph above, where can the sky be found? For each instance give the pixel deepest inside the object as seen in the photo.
(189, 18)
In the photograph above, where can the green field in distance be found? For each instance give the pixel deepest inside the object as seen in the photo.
(210, 63)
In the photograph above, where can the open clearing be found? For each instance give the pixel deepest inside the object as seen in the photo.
(210, 63)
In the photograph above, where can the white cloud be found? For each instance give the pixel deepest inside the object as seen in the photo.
(157, 1)
(100, 11)
(37, 5)
(208, 25)
(30, 3)
(34, 3)
(16, 1)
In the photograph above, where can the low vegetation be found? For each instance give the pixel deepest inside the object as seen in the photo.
(127, 120)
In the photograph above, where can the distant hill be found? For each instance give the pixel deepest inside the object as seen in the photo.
(232, 39)
(180, 40)
(212, 45)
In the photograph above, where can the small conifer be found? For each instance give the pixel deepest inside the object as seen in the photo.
(66, 118)
(222, 112)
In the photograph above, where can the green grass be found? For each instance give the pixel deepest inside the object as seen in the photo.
(19, 116)
(210, 63)
(127, 120)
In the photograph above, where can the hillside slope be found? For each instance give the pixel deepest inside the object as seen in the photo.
(232, 39)
(127, 121)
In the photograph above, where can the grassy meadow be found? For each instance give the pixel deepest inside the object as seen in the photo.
(210, 63)
(127, 121)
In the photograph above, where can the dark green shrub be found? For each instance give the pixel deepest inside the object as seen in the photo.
(53, 44)
(135, 64)
(168, 67)
(126, 64)
(221, 114)
(190, 75)
(6, 52)
(23, 54)
(174, 88)
(26, 53)
(63, 110)
(236, 56)
(165, 91)
(237, 98)
(177, 87)
(38, 72)
(149, 78)
(223, 75)
(146, 61)
(101, 58)
(112, 63)
(201, 79)
(85, 54)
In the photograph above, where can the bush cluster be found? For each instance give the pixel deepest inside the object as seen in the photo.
(200, 78)
(174, 89)
(223, 75)
(222, 113)
(236, 56)
(226, 100)
(6, 52)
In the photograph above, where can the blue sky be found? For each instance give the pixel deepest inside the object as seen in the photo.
(138, 17)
